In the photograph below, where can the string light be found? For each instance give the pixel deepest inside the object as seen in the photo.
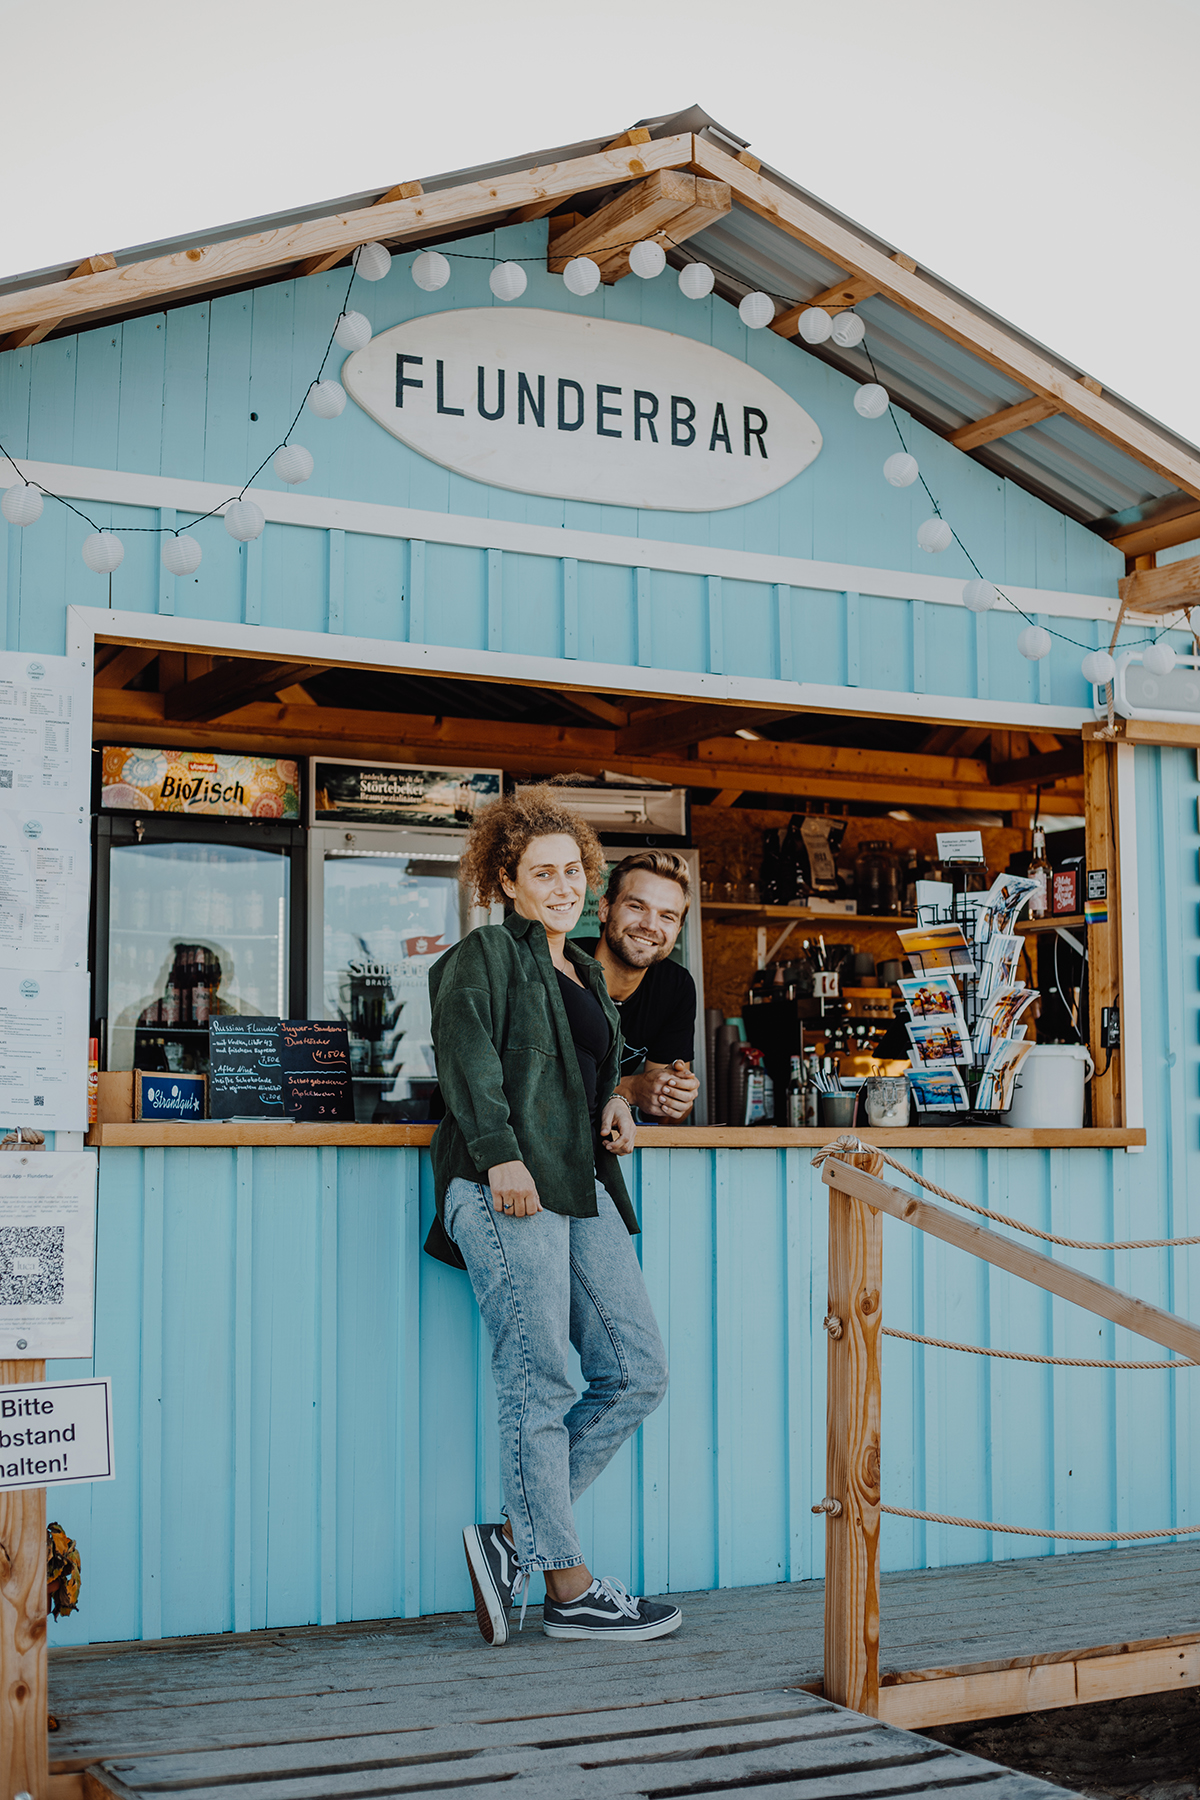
(1158, 659)
(1098, 667)
(696, 281)
(979, 596)
(244, 520)
(871, 400)
(371, 261)
(293, 463)
(901, 470)
(22, 504)
(1034, 643)
(181, 555)
(756, 310)
(848, 330)
(353, 331)
(934, 536)
(508, 281)
(327, 399)
(815, 325)
(102, 552)
(430, 271)
(648, 259)
(581, 275)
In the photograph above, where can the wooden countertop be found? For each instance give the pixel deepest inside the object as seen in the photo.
(214, 1133)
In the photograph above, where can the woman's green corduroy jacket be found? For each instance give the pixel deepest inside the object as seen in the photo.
(509, 1075)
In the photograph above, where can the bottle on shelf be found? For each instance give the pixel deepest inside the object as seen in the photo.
(795, 1092)
(1039, 871)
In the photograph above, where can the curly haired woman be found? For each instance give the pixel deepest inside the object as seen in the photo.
(530, 1196)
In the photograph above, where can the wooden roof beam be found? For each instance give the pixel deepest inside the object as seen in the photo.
(1012, 418)
(1173, 588)
(233, 684)
(838, 298)
(1150, 538)
(317, 265)
(690, 725)
(540, 209)
(21, 340)
(953, 317)
(135, 287)
(668, 205)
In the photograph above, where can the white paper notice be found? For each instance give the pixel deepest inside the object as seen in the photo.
(45, 728)
(43, 890)
(47, 1253)
(960, 846)
(53, 1432)
(43, 1049)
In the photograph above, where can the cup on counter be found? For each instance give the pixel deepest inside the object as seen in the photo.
(886, 1099)
(837, 1109)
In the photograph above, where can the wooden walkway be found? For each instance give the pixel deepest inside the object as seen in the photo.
(409, 1707)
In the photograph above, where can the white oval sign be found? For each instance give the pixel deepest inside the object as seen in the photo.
(583, 409)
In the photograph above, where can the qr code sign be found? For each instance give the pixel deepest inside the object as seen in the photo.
(31, 1265)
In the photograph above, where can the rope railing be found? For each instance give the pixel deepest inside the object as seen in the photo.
(1076, 1537)
(1064, 1362)
(848, 1145)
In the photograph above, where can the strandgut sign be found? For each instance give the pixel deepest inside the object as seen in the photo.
(583, 409)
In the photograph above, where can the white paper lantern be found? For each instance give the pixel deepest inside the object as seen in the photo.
(244, 520)
(1157, 659)
(848, 330)
(353, 331)
(181, 555)
(508, 281)
(293, 463)
(696, 281)
(647, 259)
(901, 469)
(581, 275)
(22, 504)
(934, 535)
(102, 552)
(756, 310)
(815, 325)
(1098, 667)
(979, 596)
(371, 261)
(326, 399)
(871, 400)
(430, 271)
(1034, 643)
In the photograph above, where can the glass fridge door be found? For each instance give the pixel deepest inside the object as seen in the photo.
(194, 929)
(384, 905)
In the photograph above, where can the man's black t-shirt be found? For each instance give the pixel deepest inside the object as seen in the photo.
(658, 1021)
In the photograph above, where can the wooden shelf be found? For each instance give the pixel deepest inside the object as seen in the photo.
(216, 1133)
(731, 909)
(1072, 921)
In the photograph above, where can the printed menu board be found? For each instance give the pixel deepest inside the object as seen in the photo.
(211, 783)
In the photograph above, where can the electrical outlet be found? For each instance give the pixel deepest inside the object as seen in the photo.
(1110, 1027)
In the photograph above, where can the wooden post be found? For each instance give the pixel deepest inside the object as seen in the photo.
(852, 1476)
(24, 1698)
(1104, 940)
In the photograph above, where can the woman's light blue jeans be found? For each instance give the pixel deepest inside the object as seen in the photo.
(543, 1284)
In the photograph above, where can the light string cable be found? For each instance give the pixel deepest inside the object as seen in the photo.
(174, 531)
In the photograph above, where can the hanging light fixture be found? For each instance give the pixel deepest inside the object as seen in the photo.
(870, 400)
(508, 281)
(934, 535)
(353, 331)
(371, 261)
(181, 555)
(848, 330)
(22, 504)
(1034, 643)
(103, 552)
(581, 275)
(696, 281)
(814, 325)
(1098, 667)
(430, 271)
(901, 470)
(647, 259)
(326, 399)
(1157, 659)
(244, 520)
(292, 463)
(756, 310)
(979, 596)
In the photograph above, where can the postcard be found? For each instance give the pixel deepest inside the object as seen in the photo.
(938, 1090)
(1000, 1016)
(996, 1088)
(930, 947)
(933, 996)
(940, 1040)
(1001, 906)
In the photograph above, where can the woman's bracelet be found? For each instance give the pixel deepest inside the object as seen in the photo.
(623, 1100)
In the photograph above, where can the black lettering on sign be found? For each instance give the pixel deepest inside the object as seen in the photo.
(403, 380)
(564, 424)
(606, 412)
(525, 392)
(758, 431)
(644, 414)
(441, 391)
(682, 421)
(720, 431)
(483, 411)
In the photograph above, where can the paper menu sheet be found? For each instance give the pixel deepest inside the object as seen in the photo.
(45, 729)
(43, 1045)
(47, 1243)
(43, 890)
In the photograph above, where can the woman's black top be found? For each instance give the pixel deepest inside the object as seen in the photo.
(589, 1030)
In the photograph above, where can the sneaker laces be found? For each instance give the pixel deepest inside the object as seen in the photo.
(618, 1593)
(521, 1586)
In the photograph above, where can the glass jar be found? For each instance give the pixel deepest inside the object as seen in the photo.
(877, 881)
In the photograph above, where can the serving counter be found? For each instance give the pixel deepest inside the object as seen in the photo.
(220, 1132)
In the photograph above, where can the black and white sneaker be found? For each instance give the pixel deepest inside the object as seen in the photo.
(606, 1610)
(492, 1562)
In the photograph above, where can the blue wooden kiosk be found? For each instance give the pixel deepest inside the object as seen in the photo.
(302, 1399)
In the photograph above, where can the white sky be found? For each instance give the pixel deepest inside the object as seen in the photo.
(1040, 154)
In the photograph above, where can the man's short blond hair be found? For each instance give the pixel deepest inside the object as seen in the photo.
(664, 863)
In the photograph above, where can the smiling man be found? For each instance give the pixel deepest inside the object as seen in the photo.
(641, 917)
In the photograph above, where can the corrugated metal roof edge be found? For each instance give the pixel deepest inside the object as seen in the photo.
(693, 119)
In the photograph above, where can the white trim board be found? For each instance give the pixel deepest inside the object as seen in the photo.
(120, 488)
(1130, 940)
(87, 623)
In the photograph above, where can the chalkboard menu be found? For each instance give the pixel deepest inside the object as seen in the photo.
(245, 1078)
(315, 1057)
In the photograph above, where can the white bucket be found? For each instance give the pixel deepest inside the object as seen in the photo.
(1048, 1092)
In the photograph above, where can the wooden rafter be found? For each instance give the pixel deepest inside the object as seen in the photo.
(317, 265)
(838, 298)
(665, 730)
(1149, 538)
(33, 334)
(121, 668)
(669, 205)
(1003, 424)
(539, 209)
(1038, 771)
(233, 684)
(1173, 588)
